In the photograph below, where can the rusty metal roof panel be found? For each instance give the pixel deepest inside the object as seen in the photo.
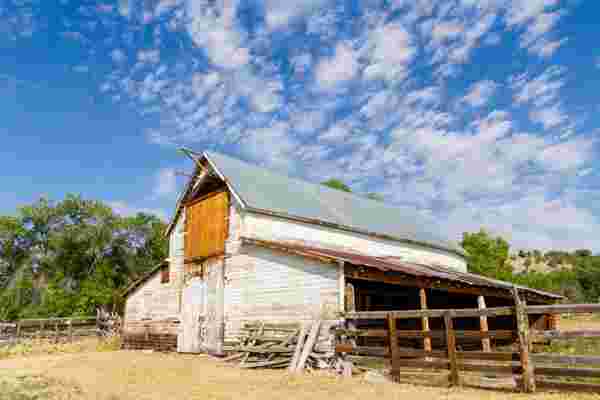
(397, 265)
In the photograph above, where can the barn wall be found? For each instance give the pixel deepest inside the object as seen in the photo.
(152, 310)
(270, 228)
(268, 285)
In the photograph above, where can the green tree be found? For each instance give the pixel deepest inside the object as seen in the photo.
(84, 251)
(375, 196)
(337, 184)
(487, 255)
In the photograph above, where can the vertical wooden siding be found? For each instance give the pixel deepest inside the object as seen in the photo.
(206, 226)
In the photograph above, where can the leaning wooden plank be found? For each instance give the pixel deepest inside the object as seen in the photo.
(263, 364)
(233, 357)
(308, 346)
(298, 350)
(436, 364)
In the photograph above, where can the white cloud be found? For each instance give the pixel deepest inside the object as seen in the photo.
(539, 90)
(480, 93)
(166, 183)
(149, 56)
(127, 210)
(215, 30)
(549, 117)
(279, 14)
(343, 66)
(390, 50)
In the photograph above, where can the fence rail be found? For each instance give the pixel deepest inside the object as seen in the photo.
(102, 324)
(529, 370)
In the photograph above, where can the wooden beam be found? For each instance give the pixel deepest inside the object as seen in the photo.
(308, 346)
(298, 350)
(524, 343)
(564, 309)
(451, 343)
(483, 325)
(461, 313)
(425, 319)
(341, 287)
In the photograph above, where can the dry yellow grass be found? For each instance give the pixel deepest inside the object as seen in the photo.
(126, 375)
(580, 322)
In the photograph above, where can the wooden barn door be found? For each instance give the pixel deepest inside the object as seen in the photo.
(192, 317)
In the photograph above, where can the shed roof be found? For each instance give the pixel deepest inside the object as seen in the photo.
(262, 190)
(394, 264)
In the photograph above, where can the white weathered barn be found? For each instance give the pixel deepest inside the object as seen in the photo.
(249, 244)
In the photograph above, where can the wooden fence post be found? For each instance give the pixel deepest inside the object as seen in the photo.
(70, 330)
(483, 325)
(18, 329)
(523, 330)
(394, 348)
(451, 342)
(425, 320)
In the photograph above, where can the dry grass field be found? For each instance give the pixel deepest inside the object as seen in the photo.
(129, 375)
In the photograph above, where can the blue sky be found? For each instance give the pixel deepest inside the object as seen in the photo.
(472, 113)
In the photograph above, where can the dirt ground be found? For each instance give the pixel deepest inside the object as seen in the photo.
(129, 375)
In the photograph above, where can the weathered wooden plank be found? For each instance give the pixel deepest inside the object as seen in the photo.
(495, 369)
(568, 372)
(435, 364)
(524, 343)
(542, 335)
(308, 346)
(393, 344)
(484, 355)
(413, 334)
(564, 309)
(451, 343)
(263, 364)
(568, 386)
(298, 350)
(562, 359)
(460, 313)
(424, 320)
(483, 325)
(363, 350)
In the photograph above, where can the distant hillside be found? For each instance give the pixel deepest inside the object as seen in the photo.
(536, 261)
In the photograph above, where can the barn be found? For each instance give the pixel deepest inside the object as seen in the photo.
(248, 244)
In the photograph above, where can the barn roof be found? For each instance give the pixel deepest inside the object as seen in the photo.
(264, 191)
(394, 264)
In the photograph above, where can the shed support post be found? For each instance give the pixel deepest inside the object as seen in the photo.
(341, 287)
(425, 320)
(451, 343)
(394, 348)
(523, 330)
(483, 325)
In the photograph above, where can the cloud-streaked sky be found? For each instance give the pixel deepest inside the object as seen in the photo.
(474, 113)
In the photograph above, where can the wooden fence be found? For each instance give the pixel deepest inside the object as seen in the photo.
(66, 329)
(528, 370)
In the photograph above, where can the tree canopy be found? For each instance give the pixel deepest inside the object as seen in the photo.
(68, 257)
(337, 184)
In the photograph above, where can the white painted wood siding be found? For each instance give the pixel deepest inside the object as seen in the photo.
(268, 285)
(265, 227)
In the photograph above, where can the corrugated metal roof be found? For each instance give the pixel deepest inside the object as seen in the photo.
(397, 265)
(260, 189)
